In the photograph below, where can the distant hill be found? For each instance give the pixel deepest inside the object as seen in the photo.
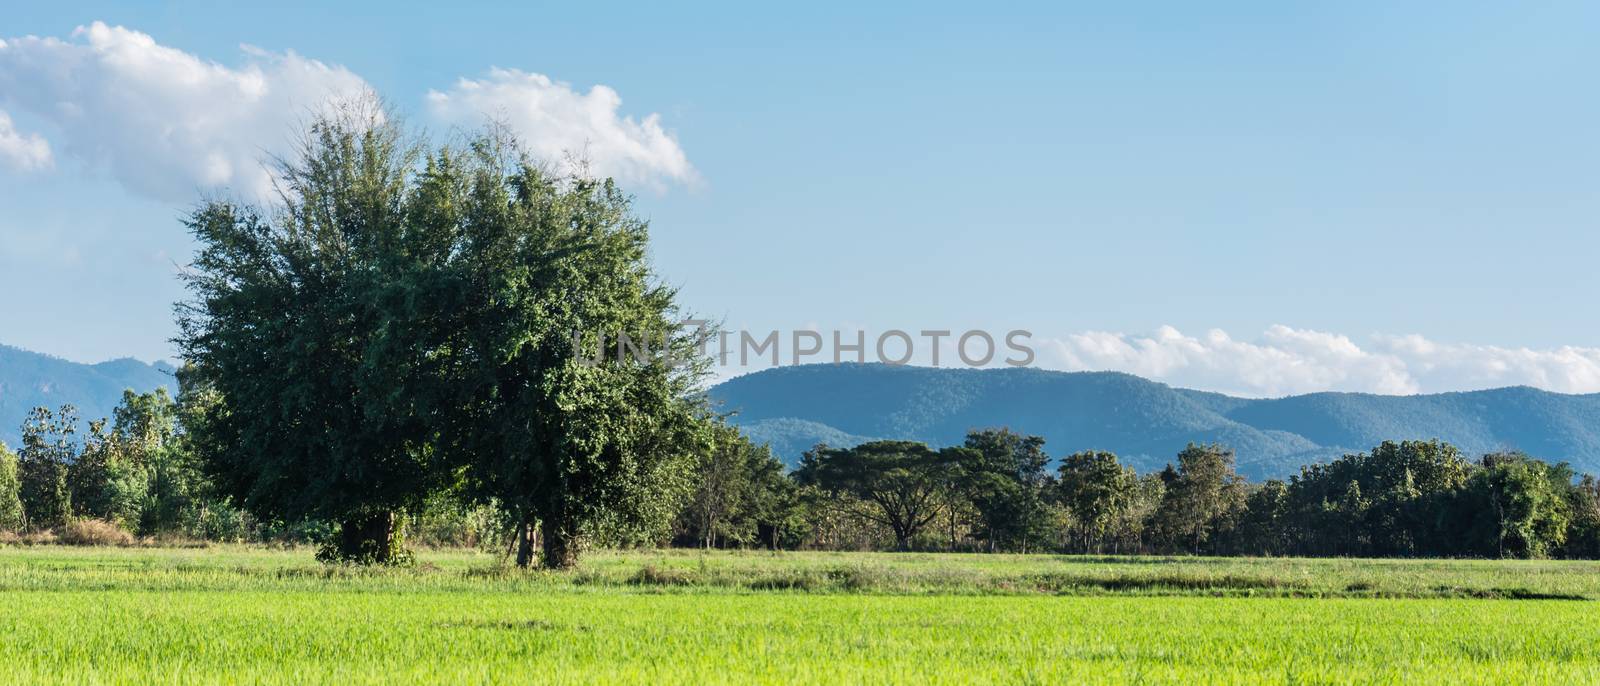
(28, 380)
(1143, 421)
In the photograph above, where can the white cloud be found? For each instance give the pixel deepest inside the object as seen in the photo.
(1286, 361)
(163, 122)
(23, 152)
(1567, 369)
(555, 122)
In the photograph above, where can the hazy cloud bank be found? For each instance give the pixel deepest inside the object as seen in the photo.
(1287, 361)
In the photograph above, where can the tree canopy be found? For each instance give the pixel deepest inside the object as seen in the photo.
(409, 319)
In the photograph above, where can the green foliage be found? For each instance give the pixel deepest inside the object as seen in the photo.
(414, 320)
(742, 496)
(1097, 491)
(11, 514)
(1263, 529)
(48, 452)
(374, 538)
(898, 484)
(296, 414)
(109, 479)
(1204, 497)
(1003, 476)
(136, 473)
(1383, 502)
(1521, 506)
(1583, 532)
(516, 287)
(447, 520)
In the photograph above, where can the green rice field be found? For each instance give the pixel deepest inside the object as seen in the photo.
(252, 615)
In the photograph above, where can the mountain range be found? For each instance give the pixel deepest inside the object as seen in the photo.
(29, 380)
(1144, 422)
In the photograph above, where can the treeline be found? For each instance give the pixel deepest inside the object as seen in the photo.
(1000, 491)
(137, 474)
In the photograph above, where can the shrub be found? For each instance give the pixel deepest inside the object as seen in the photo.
(94, 532)
(651, 575)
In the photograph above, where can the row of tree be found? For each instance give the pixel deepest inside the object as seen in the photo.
(996, 492)
(134, 470)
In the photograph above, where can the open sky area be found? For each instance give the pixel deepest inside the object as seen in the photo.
(1255, 197)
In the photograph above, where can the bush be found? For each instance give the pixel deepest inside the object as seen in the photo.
(94, 532)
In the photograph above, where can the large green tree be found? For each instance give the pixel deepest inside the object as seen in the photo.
(554, 366)
(285, 314)
(410, 319)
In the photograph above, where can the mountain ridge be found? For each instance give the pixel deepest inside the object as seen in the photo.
(1147, 422)
(29, 379)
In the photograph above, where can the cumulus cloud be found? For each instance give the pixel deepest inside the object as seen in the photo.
(163, 122)
(22, 152)
(1286, 361)
(559, 123)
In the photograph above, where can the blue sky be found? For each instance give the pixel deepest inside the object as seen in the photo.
(1260, 198)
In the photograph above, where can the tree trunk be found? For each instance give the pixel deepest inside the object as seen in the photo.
(902, 536)
(560, 546)
(525, 544)
(366, 539)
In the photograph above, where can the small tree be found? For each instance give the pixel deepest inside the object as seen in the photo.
(719, 505)
(898, 484)
(742, 495)
(1097, 490)
(1521, 504)
(1005, 481)
(90, 474)
(776, 504)
(1203, 496)
(11, 517)
(48, 451)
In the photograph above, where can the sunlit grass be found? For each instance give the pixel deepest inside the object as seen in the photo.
(257, 616)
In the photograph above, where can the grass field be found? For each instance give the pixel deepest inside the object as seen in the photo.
(242, 615)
